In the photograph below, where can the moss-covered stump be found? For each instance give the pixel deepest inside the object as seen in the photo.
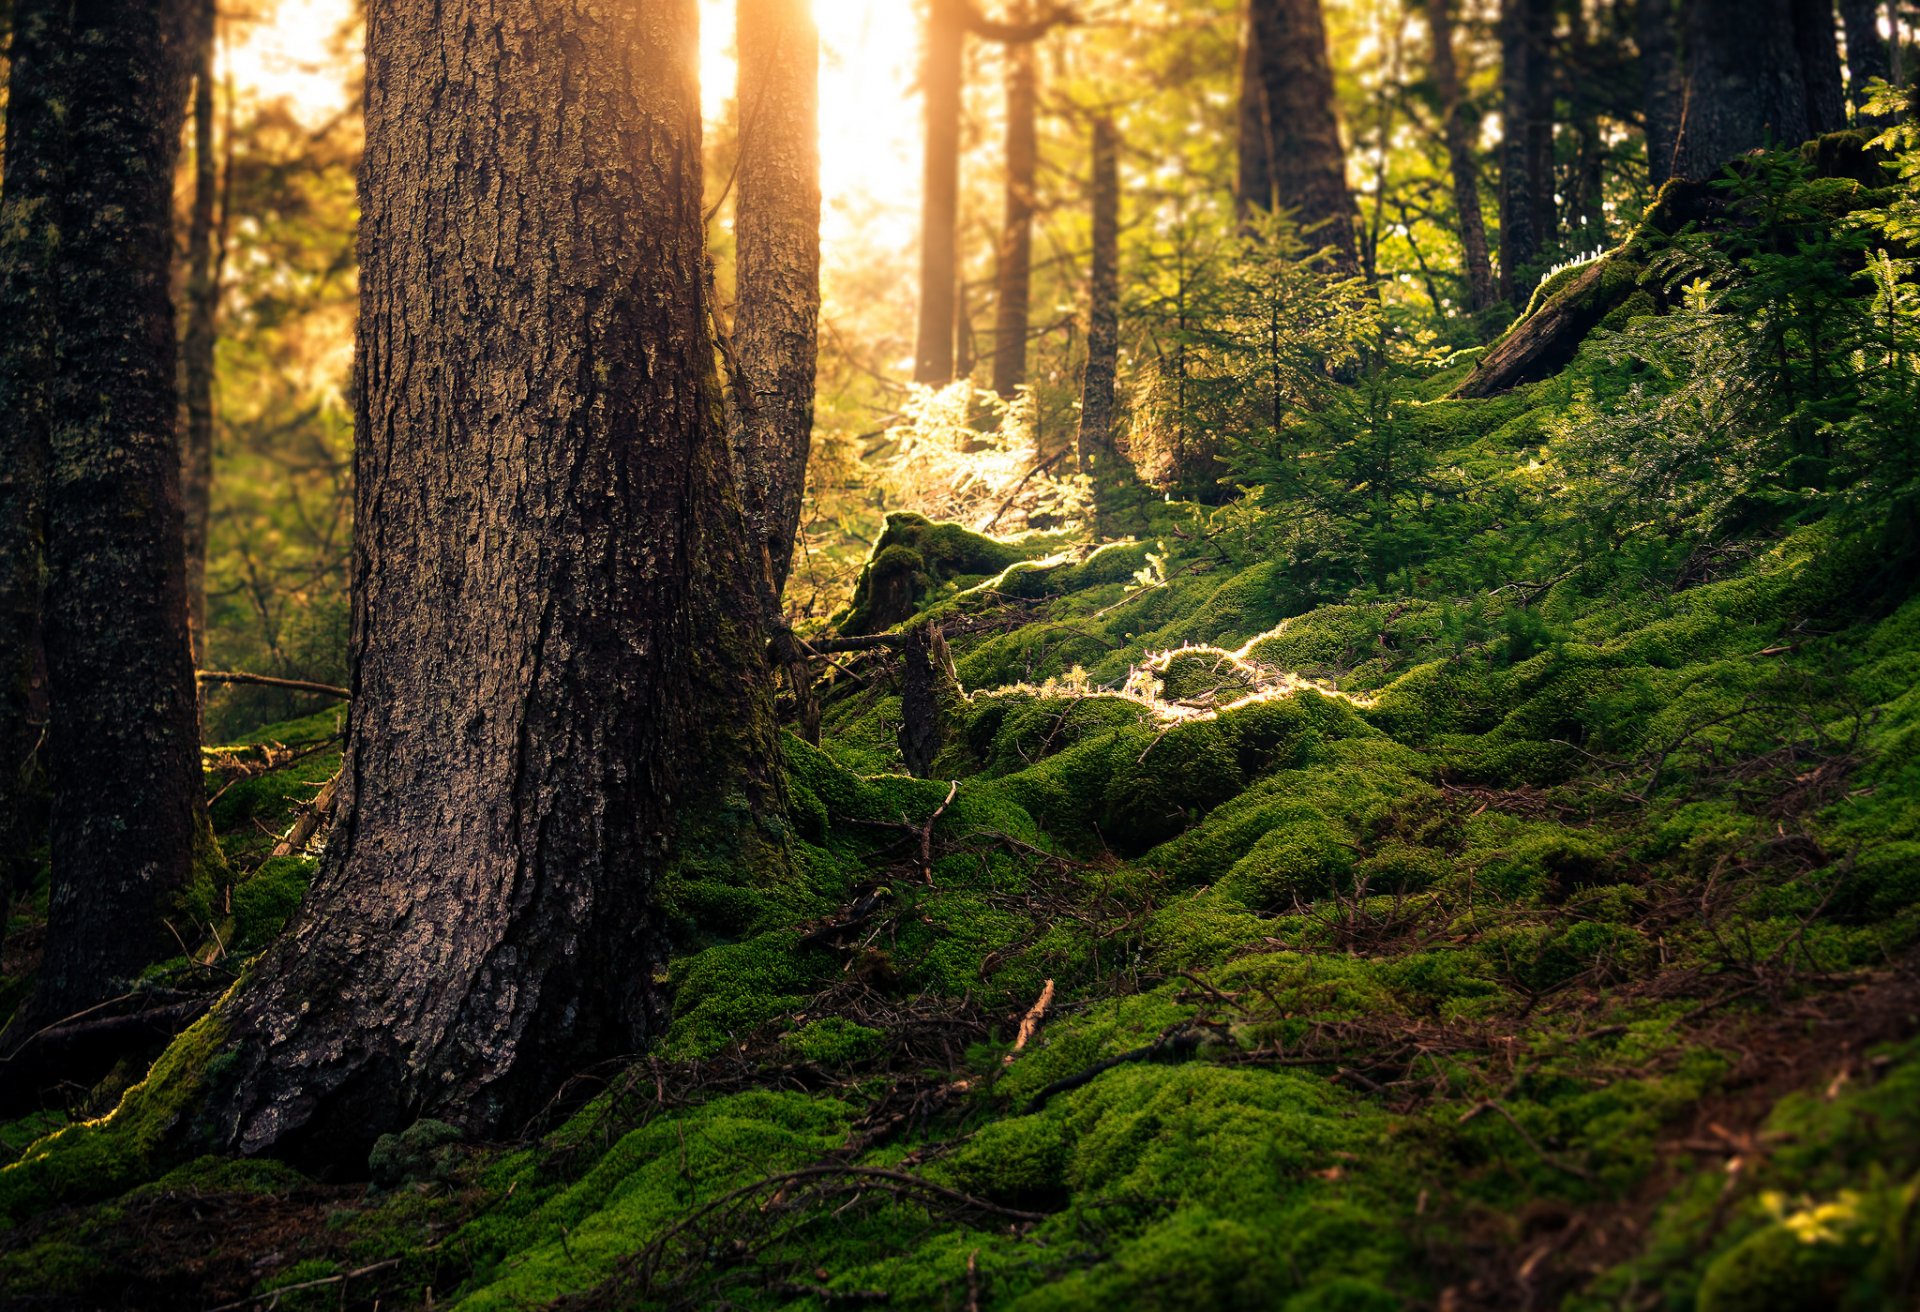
(914, 557)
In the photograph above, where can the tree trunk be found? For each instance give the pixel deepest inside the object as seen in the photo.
(1522, 83)
(128, 816)
(778, 233)
(1660, 87)
(203, 306)
(1866, 49)
(1461, 159)
(1253, 186)
(1540, 120)
(1303, 127)
(29, 226)
(1014, 269)
(1743, 79)
(1816, 42)
(1103, 311)
(941, 81)
(556, 692)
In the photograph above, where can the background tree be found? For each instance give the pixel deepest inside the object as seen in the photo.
(1013, 279)
(942, 83)
(128, 814)
(1307, 161)
(197, 347)
(1463, 164)
(1866, 48)
(777, 271)
(556, 690)
(1817, 46)
(1095, 445)
(1526, 175)
(1745, 87)
(1661, 93)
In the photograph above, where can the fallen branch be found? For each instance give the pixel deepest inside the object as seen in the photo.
(269, 681)
(272, 1296)
(309, 821)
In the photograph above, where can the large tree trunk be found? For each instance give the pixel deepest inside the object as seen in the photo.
(1744, 85)
(1014, 268)
(556, 690)
(1816, 42)
(941, 81)
(203, 306)
(1095, 447)
(1660, 86)
(778, 233)
(1866, 49)
(1523, 84)
(1303, 127)
(128, 815)
(1253, 184)
(1462, 161)
(29, 228)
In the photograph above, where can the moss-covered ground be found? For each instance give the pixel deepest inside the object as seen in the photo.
(1538, 944)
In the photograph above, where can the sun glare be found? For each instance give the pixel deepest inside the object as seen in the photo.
(869, 114)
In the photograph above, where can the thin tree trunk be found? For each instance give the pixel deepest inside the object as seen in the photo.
(1253, 188)
(1014, 269)
(1462, 162)
(1660, 86)
(777, 228)
(1816, 41)
(941, 83)
(1540, 121)
(1308, 162)
(29, 228)
(556, 691)
(1522, 78)
(1744, 87)
(1866, 50)
(203, 304)
(1095, 444)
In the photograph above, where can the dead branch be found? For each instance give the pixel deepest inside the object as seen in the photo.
(269, 681)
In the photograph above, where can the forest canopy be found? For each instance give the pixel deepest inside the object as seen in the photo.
(1032, 654)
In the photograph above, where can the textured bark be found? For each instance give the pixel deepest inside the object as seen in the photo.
(128, 814)
(1303, 128)
(1523, 84)
(777, 229)
(1661, 92)
(29, 221)
(1253, 185)
(203, 302)
(1816, 42)
(1744, 88)
(1866, 49)
(1103, 309)
(941, 77)
(556, 688)
(1013, 271)
(1462, 162)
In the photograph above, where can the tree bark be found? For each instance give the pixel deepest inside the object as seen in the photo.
(1744, 88)
(128, 814)
(556, 691)
(1816, 42)
(941, 81)
(1308, 162)
(777, 228)
(203, 307)
(1014, 268)
(1661, 92)
(1523, 82)
(1095, 445)
(1462, 162)
(1253, 185)
(29, 226)
(1866, 50)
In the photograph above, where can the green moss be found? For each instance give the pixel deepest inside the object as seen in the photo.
(264, 901)
(132, 1144)
(832, 1042)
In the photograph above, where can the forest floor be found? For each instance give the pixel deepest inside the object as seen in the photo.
(1553, 946)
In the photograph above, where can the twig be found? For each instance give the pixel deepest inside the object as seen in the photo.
(1031, 1021)
(1489, 1105)
(269, 681)
(274, 1294)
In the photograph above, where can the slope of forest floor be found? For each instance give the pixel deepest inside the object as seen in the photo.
(1548, 943)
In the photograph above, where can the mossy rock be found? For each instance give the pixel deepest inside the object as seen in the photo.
(425, 1151)
(833, 1042)
(913, 556)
